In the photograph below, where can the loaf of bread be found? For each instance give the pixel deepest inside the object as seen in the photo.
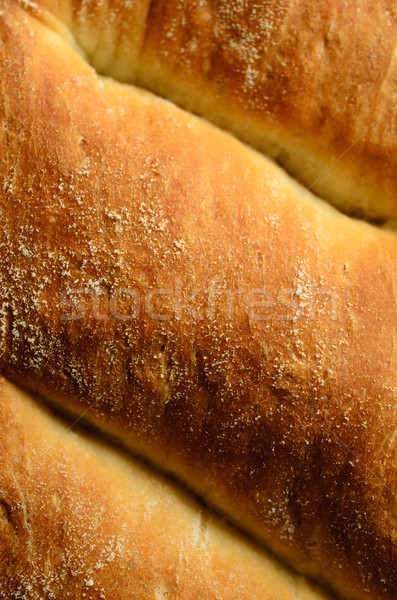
(78, 520)
(188, 298)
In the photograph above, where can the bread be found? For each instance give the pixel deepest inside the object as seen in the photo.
(198, 305)
(78, 520)
(311, 84)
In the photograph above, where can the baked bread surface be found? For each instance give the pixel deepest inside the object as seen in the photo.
(199, 305)
(311, 84)
(78, 520)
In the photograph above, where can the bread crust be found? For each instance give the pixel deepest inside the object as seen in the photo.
(311, 84)
(78, 520)
(197, 303)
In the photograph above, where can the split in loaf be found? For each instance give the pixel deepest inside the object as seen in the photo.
(78, 520)
(312, 84)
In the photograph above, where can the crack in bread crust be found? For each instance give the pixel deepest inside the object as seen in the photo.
(310, 85)
(80, 520)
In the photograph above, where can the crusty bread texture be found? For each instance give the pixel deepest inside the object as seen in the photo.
(78, 520)
(311, 83)
(189, 298)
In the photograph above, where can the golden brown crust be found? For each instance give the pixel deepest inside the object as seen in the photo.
(310, 83)
(225, 323)
(78, 520)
